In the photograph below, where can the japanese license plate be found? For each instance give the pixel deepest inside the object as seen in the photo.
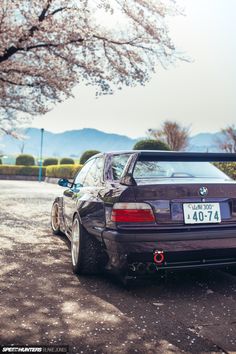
(201, 213)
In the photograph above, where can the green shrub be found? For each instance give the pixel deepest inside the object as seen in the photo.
(25, 160)
(62, 171)
(50, 161)
(87, 154)
(229, 168)
(67, 161)
(150, 144)
(12, 170)
(0, 161)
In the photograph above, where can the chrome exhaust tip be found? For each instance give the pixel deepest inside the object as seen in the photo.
(141, 268)
(133, 267)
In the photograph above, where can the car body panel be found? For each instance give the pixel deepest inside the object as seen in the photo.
(183, 245)
(198, 248)
(86, 202)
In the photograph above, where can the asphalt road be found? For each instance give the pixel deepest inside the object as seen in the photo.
(42, 302)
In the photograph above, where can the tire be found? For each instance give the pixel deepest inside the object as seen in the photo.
(55, 220)
(87, 254)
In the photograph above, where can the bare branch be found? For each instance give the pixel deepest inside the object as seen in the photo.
(228, 141)
(175, 136)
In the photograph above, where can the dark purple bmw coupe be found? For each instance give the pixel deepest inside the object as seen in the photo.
(137, 212)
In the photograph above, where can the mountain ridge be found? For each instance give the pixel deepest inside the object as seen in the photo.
(74, 142)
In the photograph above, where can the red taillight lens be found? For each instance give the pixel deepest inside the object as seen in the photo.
(132, 212)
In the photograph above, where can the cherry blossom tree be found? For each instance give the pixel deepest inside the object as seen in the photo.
(13, 124)
(49, 46)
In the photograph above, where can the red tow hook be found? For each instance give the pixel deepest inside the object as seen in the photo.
(159, 257)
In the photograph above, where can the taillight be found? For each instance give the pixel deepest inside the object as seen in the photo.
(132, 212)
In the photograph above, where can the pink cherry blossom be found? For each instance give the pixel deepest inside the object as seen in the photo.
(49, 46)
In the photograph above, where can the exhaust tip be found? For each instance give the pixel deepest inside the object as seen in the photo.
(151, 268)
(141, 268)
(133, 267)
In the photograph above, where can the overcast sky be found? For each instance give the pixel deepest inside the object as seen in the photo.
(199, 94)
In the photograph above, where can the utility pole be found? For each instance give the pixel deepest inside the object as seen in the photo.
(41, 157)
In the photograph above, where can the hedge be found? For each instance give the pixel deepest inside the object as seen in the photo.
(87, 154)
(13, 170)
(25, 160)
(151, 144)
(50, 161)
(67, 161)
(228, 168)
(56, 171)
(62, 171)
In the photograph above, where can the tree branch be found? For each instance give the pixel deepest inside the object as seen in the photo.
(16, 83)
(14, 49)
(58, 10)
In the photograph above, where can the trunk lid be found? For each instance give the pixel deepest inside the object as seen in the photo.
(167, 198)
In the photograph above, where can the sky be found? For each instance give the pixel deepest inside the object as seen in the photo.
(199, 94)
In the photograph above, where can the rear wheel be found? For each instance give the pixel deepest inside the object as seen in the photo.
(87, 254)
(55, 219)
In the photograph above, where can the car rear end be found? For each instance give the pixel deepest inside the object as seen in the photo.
(177, 211)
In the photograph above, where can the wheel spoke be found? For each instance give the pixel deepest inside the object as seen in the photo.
(55, 217)
(75, 242)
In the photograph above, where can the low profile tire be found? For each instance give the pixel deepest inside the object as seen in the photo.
(87, 254)
(55, 219)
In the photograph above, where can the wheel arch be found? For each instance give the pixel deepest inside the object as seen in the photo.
(59, 200)
(59, 230)
(74, 215)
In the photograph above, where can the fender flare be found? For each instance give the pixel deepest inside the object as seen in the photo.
(59, 200)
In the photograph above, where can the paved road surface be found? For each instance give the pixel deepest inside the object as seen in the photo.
(42, 302)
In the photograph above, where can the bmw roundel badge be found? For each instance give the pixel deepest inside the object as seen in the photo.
(203, 191)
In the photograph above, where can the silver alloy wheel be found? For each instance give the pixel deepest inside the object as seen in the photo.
(55, 217)
(75, 242)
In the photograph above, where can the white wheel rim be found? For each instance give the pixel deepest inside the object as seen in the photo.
(75, 242)
(55, 217)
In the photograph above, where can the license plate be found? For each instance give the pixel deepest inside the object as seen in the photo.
(201, 213)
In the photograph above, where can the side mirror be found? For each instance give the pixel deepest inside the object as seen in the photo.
(63, 182)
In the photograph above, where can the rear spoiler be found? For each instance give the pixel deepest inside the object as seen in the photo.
(185, 156)
(148, 155)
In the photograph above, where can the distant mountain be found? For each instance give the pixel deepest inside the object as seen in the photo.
(69, 143)
(205, 142)
(73, 143)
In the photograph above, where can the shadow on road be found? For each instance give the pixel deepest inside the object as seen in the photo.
(43, 302)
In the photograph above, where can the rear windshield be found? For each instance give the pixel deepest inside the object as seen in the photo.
(177, 169)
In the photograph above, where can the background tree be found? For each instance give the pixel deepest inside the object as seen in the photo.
(49, 46)
(11, 123)
(228, 141)
(87, 154)
(173, 134)
(21, 135)
(150, 144)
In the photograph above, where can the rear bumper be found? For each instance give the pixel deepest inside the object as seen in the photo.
(181, 249)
